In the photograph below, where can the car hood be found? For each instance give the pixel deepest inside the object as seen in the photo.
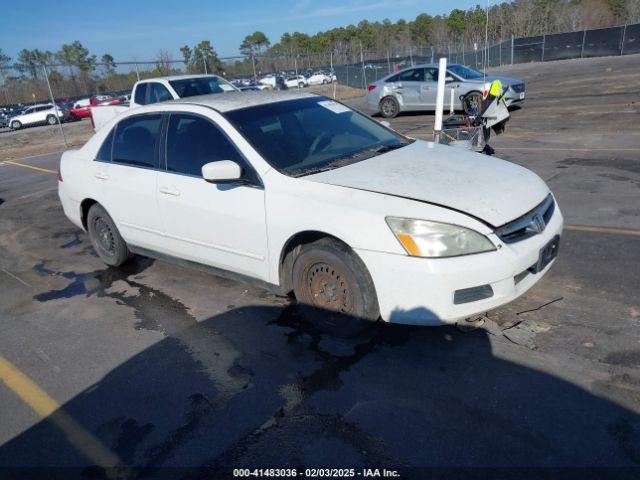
(484, 187)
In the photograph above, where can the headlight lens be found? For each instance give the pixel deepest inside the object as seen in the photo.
(422, 238)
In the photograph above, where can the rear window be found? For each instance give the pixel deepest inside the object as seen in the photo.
(135, 141)
(104, 154)
(141, 94)
(191, 87)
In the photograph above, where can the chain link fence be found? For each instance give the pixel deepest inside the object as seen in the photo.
(356, 69)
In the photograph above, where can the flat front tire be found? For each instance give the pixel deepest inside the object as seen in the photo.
(105, 237)
(334, 288)
(389, 107)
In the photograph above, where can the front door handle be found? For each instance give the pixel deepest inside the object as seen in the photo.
(170, 191)
(101, 176)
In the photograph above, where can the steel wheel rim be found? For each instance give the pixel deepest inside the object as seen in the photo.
(328, 288)
(388, 107)
(105, 239)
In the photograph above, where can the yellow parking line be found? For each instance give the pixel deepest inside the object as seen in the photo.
(614, 230)
(45, 406)
(32, 167)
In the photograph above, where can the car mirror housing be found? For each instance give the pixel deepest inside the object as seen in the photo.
(223, 171)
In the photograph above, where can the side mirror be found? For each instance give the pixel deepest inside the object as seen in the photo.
(449, 78)
(224, 171)
(385, 123)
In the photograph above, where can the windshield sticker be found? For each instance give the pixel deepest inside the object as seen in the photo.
(335, 107)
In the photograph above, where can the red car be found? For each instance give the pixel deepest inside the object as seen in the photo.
(82, 108)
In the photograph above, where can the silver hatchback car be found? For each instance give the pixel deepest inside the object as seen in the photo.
(415, 88)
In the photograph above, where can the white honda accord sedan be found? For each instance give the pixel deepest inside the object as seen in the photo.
(308, 196)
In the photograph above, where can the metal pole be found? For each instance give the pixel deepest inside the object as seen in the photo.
(543, 43)
(442, 69)
(463, 62)
(624, 32)
(388, 62)
(253, 61)
(204, 61)
(501, 49)
(137, 73)
(295, 63)
(364, 73)
(55, 107)
(431, 53)
(584, 37)
(411, 55)
(511, 49)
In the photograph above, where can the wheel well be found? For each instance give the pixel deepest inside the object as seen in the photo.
(290, 252)
(84, 210)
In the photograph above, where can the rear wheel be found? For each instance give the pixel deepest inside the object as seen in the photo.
(334, 288)
(471, 100)
(389, 107)
(16, 125)
(301, 85)
(105, 238)
(51, 120)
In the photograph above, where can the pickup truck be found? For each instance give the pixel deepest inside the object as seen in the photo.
(161, 89)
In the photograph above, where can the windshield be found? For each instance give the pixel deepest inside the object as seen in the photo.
(190, 87)
(311, 135)
(465, 72)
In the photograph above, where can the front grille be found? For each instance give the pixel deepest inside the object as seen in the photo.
(518, 87)
(472, 294)
(531, 223)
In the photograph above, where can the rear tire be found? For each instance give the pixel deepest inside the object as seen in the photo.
(471, 99)
(105, 238)
(334, 288)
(301, 85)
(16, 125)
(389, 107)
(51, 120)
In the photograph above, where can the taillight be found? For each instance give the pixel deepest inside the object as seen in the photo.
(371, 87)
(93, 125)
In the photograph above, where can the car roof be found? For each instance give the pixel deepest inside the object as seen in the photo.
(176, 77)
(225, 102)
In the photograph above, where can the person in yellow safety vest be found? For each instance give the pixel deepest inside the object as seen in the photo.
(494, 90)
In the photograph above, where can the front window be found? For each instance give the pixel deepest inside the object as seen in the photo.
(190, 87)
(310, 135)
(193, 142)
(465, 72)
(158, 93)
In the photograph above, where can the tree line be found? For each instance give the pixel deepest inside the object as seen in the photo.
(78, 71)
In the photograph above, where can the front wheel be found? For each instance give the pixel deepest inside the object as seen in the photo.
(16, 125)
(51, 120)
(334, 288)
(301, 85)
(389, 107)
(105, 238)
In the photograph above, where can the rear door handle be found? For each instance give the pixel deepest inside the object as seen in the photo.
(170, 191)
(101, 176)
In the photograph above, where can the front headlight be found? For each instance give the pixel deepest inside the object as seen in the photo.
(422, 238)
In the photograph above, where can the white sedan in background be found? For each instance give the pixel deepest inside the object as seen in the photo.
(319, 78)
(45, 113)
(296, 81)
(303, 194)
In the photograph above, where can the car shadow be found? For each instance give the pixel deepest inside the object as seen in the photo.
(261, 386)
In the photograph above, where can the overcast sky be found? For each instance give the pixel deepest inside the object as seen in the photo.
(137, 30)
